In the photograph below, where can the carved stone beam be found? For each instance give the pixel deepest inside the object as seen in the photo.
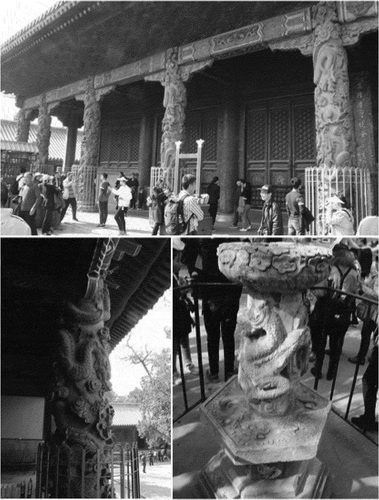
(350, 33)
(302, 43)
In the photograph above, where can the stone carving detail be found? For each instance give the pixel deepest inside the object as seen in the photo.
(82, 413)
(175, 101)
(333, 121)
(85, 186)
(276, 341)
(351, 32)
(363, 122)
(265, 416)
(43, 134)
(23, 125)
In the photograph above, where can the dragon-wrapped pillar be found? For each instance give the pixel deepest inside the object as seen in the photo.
(82, 413)
(43, 135)
(267, 423)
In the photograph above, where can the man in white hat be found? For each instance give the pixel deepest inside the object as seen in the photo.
(124, 194)
(339, 219)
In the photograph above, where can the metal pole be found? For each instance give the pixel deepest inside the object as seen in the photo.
(198, 340)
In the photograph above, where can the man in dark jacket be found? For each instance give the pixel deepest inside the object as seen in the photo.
(237, 195)
(214, 195)
(271, 223)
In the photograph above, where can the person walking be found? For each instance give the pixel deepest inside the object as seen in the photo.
(295, 208)
(30, 195)
(133, 184)
(143, 461)
(271, 222)
(246, 195)
(124, 195)
(69, 196)
(213, 191)
(104, 193)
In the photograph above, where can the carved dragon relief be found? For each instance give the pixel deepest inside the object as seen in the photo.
(83, 415)
(275, 339)
(334, 138)
(43, 133)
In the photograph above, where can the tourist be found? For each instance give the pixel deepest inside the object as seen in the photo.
(151, 458)
(133, 184)
(370, 389)
(18, 183)
(368, 313)
(339, 220)
(192, 212)
(143, 461)
(124, 195)
(182, 320)
(246, 195)
(295, 207)
(157, 202)
(104, 193)
(271, 222)
(69, 196)
(220, 303)
(31, 199)
(214, 195)
(236, 203)
(11, 225)
(48, 191)
(141, 198)
(338, 308)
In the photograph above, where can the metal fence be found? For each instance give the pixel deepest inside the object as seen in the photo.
(24, 489)
(194, 288)
(321, 183)
(77, 472)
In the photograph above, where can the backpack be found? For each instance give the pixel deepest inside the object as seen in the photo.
(14, 187)
(174, 216)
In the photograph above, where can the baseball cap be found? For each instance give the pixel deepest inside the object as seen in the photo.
(267, 188)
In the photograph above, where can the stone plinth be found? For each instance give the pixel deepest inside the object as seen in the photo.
(267, 423)
(304, 479)
(250, 438)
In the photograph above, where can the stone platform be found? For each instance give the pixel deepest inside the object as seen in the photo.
(250, 438)
(305, 479)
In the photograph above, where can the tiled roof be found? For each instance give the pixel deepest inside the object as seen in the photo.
(57, 147)
(126, 414)
(23, 147)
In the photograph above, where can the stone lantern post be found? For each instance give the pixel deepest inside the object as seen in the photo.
(267, 423)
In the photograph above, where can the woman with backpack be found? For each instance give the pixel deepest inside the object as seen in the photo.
(158, 199)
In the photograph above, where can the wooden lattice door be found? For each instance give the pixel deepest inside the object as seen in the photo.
(280, 143)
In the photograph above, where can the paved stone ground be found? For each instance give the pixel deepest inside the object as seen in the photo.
(157, 481)
(137, 224)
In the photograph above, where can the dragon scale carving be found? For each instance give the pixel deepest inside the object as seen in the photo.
(43, 134)
(175, 101)
(334, 137)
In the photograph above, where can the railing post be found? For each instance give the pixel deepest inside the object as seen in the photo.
(122, 473)
(198, 339)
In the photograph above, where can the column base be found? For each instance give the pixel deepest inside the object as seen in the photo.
(87, 208)
(303, 479)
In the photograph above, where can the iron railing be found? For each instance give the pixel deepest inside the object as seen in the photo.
(77, 472)
(23, 489)
(194, 287)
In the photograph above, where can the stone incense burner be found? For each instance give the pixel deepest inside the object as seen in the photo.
(267, 423)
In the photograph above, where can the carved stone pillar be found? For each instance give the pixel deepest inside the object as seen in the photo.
(175, 101)
(334, 133)
(23, 125)
(85, 178)
(267, 423)
(227, 153)
(43, 135)
(145, 150)
(82, 413)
